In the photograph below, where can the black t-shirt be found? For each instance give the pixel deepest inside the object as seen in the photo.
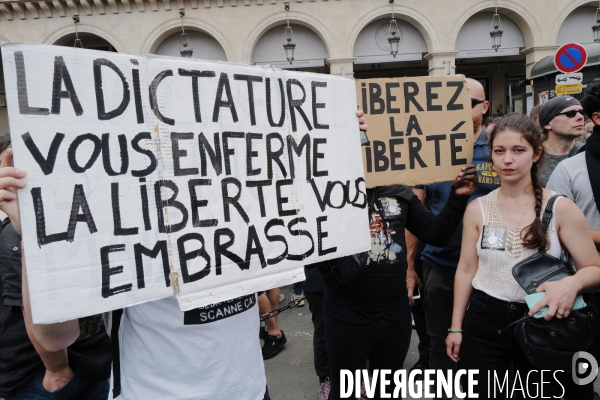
(90, 357)
(380, 290)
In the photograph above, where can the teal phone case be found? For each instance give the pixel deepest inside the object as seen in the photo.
(532, 299)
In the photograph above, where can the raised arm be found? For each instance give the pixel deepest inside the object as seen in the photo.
(58, 372)
(437, 229)
(54, 337)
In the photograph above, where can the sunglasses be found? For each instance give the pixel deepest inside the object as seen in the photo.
(475, 102)
(572, 113)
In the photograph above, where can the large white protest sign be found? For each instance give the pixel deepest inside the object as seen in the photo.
(148, 177)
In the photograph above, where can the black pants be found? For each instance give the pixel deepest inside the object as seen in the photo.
(438, 301)
(315, 304)
(418, 313)
(576, 392)
(490, 352)
(382, 342)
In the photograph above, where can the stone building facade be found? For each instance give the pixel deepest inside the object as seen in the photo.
(345, 37)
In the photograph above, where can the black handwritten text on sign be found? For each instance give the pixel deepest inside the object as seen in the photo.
(419, 129)
(148, 177)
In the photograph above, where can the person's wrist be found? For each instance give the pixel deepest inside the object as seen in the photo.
(60, 369)
(577, 284)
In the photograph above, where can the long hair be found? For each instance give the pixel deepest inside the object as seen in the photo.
(534, 236)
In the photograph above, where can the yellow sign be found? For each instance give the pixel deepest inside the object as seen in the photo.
(570, 88)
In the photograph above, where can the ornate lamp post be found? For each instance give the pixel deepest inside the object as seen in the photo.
(183, 44)
(394, 35)
(289, 42)
(496, 30)
(77, 40)
(596, 26)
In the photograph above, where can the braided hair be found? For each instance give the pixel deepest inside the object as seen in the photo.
(534, 236)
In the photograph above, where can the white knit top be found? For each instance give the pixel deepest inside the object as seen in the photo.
(500, 247)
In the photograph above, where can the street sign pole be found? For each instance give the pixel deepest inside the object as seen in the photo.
(569, 59)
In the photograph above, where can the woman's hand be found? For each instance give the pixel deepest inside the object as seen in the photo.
(362, 125)
(560, 296)
(10, 181)
(453, 342)
(466, 181)
(412, 281)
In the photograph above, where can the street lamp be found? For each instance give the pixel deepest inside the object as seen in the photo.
(496, 31)
(596, 26)
(183, 45)
(77, 40)
(289, 42)
(394, 31)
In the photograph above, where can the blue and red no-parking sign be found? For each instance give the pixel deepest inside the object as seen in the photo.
(570, 57)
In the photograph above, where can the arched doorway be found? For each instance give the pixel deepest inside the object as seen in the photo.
(373, 57)
(310, 54)
(577, 26)
(88, 40)
(501, 72)
(205, 46)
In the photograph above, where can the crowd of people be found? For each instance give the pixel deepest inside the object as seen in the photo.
(455, 271)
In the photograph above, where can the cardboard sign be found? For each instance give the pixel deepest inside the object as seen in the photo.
(148, 177)
(420, 129)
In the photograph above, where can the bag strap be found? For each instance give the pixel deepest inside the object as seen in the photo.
(501, 331)
(547, 217)
(573, 151)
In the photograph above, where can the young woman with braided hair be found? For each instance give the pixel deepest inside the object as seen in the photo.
(501, 229)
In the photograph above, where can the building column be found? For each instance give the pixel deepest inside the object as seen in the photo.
(535, 54)
(341, 66)
(438, 61)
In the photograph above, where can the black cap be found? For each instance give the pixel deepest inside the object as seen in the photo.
(555, 107)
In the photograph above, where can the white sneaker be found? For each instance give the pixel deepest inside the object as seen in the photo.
(296, 297)
(281, 297)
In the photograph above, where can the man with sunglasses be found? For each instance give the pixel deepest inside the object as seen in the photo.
(577, 178)
(561, 120)
(439, 264)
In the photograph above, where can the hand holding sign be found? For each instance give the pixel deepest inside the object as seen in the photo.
(10, 181)
(466, 181)
(362, 125)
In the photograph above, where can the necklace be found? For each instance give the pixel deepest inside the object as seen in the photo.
(509, 246)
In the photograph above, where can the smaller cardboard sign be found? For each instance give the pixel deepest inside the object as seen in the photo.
(572, 88)
(565, 79)
(420, 129)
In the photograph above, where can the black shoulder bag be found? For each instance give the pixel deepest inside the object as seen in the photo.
(551, 344)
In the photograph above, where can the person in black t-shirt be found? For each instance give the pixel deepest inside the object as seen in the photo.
(368, 318)
(27, 369)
